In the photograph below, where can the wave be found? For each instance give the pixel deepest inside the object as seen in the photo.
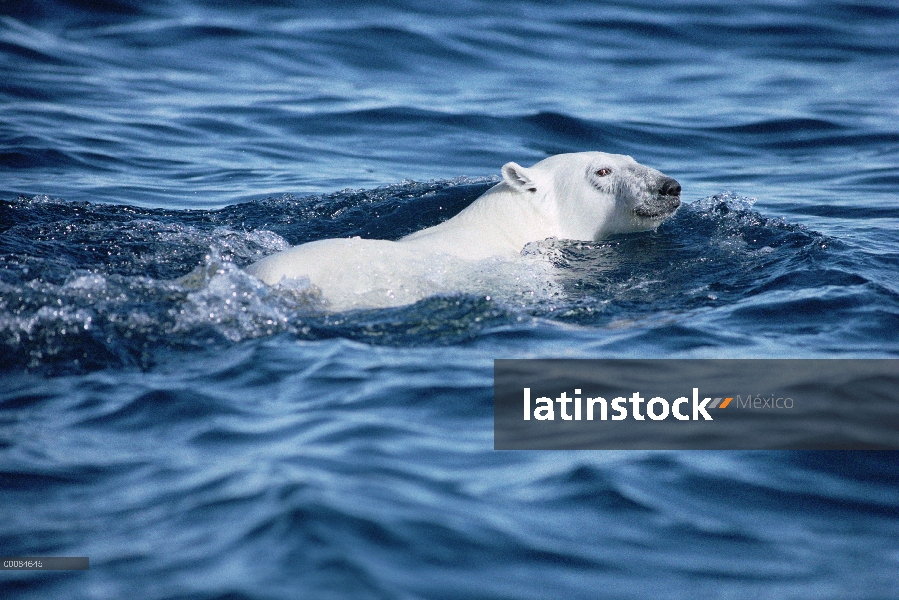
(87, 286)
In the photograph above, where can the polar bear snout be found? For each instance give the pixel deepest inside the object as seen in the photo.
(669, 187)
(663, 203)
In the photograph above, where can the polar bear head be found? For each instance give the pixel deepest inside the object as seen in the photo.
(590, 195)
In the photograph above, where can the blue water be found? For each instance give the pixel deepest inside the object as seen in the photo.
(219, 439)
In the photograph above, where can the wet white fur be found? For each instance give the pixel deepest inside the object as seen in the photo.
(561, 196)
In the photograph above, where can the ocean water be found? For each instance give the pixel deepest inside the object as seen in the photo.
(215, 438)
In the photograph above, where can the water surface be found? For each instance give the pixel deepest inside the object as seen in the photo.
(225, 439)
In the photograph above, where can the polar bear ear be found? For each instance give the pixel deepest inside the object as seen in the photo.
(517, 178)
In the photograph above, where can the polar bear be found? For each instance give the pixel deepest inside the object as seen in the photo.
(579, 196)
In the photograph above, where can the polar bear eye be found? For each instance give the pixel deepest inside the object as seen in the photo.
(602, 172)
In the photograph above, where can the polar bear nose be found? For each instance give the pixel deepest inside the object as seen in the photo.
(669, 187)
